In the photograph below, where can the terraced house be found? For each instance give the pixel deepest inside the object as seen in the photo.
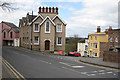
(44, 32)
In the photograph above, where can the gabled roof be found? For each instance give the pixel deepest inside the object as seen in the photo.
(36, 18)
(46, 19)
(59, 18)
(10, 24)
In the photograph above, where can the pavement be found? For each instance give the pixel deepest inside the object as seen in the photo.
(99, 62)
(31, 64)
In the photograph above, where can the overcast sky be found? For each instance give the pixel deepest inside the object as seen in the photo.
(82, 16)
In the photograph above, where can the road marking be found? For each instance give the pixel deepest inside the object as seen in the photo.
(97, 66)
(109, 72)
(64, 63)
(100, 70)
(92, 74)
(94, 71)
(77, 66)
(14, 71)
(84, 72)
(45, 62)
(101, 73)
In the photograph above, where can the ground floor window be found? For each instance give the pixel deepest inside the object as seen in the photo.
(95, 54)
(36, 40)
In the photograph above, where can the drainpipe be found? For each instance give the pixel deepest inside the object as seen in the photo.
(31, 31)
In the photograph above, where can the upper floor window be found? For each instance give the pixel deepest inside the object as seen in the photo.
(95, 45)
(116, 40)
(11, 35)
(59, 41)
(59, 27)
(36, 27)
(47, 27)
(4, 34)
(95, 38)
(36, 40)
(91, 38)
(110, 39)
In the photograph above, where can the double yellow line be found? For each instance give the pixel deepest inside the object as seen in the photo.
(13, 70)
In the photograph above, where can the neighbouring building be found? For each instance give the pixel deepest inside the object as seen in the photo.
(95, 40)
(44, 32)
(10, 34)
(82, 46)
(112, 50)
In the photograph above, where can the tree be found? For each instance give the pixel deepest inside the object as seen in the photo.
(7, 6)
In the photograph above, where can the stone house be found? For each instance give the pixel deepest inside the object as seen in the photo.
(44, 32)
(10, 34)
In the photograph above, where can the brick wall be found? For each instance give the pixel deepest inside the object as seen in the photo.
(111, 56)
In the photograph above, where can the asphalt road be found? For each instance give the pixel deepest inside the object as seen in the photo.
(38, 65)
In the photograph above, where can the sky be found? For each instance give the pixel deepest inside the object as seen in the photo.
(82, 16)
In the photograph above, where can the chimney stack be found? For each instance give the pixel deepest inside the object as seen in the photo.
(106, 31)
(98, 29)
(110, 27)
(48, 10)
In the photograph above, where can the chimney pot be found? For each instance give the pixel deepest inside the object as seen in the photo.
(46, 9)
(53, 9)
(50, 9)
(110, 27)
(43, 9)
(39, 9)
(57, 10)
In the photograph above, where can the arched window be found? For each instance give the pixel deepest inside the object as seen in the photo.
(47, 27)
(116, 40)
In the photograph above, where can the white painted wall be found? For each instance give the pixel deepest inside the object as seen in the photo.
(16, 42)
(81, 47)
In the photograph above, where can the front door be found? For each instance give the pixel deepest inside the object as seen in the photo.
(47, 45)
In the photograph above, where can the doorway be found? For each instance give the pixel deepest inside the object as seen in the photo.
(47, 45)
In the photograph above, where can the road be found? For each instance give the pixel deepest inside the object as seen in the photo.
(38, 65)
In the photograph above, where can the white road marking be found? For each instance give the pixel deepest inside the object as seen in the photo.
(101, 73)
(94, 71)
(92, 74)
(84, 72)
(64, 63)
(109, 72)
(100, 70)
(77, 66)
(45, 62)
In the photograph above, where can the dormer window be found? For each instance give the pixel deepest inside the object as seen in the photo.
(59, 27)
(36, 27)
(47, 27)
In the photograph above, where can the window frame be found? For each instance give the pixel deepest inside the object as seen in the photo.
(57, 27)
(111, 39)
(35, 26)
(37, 42)
(94, 46)
(58, 41)
(49, 27)
(4, 35)
(116, 39)
(11, 35)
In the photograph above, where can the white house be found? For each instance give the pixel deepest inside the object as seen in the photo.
(82, 46)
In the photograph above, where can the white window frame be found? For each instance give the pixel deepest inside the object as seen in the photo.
(57, 41)
(116, 40)
(94, 54)
(49, 27)
(111, 40)
(34, 40)
(94, 46)
(95, 38)
(38, 26)
(57, 27)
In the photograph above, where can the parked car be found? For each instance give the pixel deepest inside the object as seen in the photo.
(67, 54)
(77, 54)
(71, 53)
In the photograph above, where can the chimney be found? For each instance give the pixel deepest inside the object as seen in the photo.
(56, 10)
(106, 31)
(110, 27)
(46, 9)
(53, 9)
(50, 9)
(98, 29)
(39, 9)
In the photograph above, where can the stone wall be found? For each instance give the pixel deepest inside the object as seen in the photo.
(111, 56)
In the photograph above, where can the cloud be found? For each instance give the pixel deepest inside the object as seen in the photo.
(22, 7)
(94, 13)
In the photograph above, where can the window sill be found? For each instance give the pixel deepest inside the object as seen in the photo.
(36, 43)
(59, 44)
(36, 31)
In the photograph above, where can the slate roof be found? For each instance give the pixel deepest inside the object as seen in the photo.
(13, 26)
